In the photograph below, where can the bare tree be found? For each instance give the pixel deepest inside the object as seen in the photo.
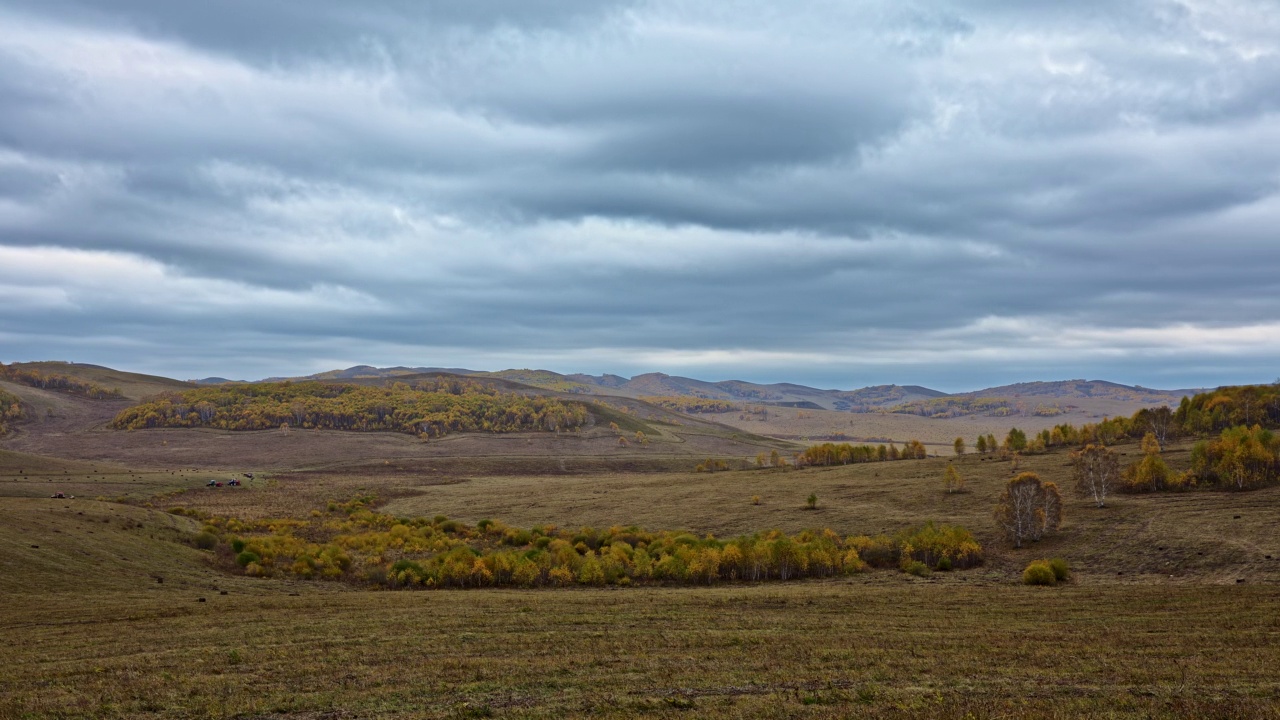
(1029, 509)
(1096, 472)
(1159, 422)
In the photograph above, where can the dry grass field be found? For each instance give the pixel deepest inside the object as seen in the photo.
(1166, 538)
(105, 619)
(936, 433)
(1173, 609)
(814, 650)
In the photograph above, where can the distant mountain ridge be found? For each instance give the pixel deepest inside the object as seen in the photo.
(867, 399)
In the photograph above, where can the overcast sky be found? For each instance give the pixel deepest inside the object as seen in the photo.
(833, 193)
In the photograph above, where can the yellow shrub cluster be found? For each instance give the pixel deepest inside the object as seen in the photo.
(352, 543)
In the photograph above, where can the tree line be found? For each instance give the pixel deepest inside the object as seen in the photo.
(57, 382)
(429, 409)
(351, 542)
(826, 454)
(681, 403)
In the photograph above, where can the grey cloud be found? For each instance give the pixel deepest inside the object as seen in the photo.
(287, 31)
(847, 183)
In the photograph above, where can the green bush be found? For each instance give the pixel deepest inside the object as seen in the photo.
(237, 545)
(944, 564)
(205, 541)
(917, 568)
(1039, 573)
(246, 557)
(1060, 570)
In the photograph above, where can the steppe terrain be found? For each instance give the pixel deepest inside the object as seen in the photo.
(1173, 609)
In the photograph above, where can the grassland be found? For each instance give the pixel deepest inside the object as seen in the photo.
(111, 611)
(937, 434)
(922, 650)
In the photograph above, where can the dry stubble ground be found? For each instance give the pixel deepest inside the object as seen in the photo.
(825, 649)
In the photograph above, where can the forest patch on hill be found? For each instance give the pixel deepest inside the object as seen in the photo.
(429, 409)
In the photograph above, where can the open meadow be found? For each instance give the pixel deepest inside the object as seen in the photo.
(115, 608)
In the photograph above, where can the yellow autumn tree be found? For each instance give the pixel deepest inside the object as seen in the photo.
(951, 479)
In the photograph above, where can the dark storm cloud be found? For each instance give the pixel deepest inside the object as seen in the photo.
(838, 193)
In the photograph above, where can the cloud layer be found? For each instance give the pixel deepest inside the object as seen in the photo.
(834, 193)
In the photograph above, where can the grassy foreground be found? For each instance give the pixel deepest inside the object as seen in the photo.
(893, 648)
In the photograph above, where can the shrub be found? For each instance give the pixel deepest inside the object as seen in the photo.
(1060, 570)
(205, 541)
(1039, 573)
(519, 538)
(247, 557)
(944, 564)
(917, 568)
(237, 545)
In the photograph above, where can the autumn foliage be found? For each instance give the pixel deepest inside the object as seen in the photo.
(1097, 473)
(681, 403)
(430, 409)
(57, 382)
(845, 453)
(1240, 458)
(1246, 405)
(10, 409)
(1029, 509)
(353, 543)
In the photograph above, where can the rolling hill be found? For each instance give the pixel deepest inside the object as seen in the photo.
(1108, 397)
